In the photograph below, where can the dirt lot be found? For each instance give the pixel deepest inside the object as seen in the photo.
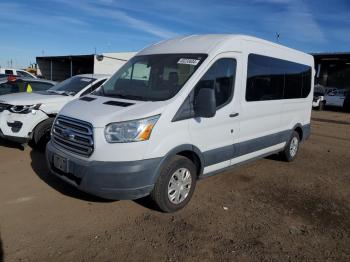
(274, 211)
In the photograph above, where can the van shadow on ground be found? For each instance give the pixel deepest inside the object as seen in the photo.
(41, 169)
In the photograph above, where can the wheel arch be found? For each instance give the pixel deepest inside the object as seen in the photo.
(299, 129)
(36, 128)
(187, 150)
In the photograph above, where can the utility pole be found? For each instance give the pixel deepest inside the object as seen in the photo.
(278, 35)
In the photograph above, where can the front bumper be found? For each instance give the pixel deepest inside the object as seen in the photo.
(19, 140)
(19, 127)
(109, 180)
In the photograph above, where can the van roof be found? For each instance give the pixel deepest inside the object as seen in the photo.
(209, 43)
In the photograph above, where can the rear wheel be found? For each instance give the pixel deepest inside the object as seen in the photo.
(41, 134)
(175, 184)
(292, 147)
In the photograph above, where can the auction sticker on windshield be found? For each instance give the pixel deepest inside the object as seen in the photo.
(188, 61)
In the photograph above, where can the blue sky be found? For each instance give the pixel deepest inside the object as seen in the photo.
(62, 27)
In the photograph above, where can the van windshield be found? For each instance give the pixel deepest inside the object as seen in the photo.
(152, 77)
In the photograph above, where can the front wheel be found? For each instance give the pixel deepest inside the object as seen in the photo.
(175, 184)
(41, 134)
(292, 147)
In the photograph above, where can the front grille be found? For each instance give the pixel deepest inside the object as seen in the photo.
(73, 135)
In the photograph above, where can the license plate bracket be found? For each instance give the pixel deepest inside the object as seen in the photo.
(60, 163)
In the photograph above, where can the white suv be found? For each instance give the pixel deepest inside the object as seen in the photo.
(16, 72)
(29, 116)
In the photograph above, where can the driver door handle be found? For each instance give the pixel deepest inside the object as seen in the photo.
(234, 114)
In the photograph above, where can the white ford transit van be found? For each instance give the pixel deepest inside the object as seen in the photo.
(181, 110)
(29, 116)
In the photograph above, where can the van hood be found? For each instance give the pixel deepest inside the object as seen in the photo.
(24, 99)
(100, 111)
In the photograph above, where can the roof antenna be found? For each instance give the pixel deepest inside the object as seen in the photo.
(278, 35)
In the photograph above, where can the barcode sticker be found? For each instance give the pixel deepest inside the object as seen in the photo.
(188, 61)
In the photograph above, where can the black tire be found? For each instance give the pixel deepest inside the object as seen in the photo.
(287, 154)
(160, 191)
(41, 134)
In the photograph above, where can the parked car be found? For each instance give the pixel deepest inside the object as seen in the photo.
(181, 110)
(12, 85)
(29, 116)
(318, 101)
(336, 97)
(16, 72)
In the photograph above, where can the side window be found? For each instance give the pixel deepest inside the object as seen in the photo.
(141, 72)
(265, 79)
(19, 73)
(221, 77)
(8, 72)
(271, 78)
(298, 81)
(93, 87)
(24, 74)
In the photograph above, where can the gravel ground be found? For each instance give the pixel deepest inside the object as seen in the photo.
(264, 211)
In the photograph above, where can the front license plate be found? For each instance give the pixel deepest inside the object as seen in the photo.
(60, 163)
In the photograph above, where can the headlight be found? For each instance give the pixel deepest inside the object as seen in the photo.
(24, 109)
(130, 131)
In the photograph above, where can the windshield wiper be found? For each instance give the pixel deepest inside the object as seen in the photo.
(52, 91)
(131, 97)
(63, 93)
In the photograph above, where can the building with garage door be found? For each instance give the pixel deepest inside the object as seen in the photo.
(59, 68)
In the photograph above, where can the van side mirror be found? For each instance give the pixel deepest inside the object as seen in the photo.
(205, 103)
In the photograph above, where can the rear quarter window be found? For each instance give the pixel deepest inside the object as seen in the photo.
(272, 79)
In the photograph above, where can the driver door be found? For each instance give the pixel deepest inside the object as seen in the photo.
(215, 136)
